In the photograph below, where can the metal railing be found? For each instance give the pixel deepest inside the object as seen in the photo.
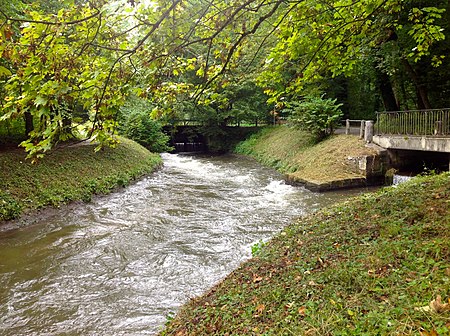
(230, 122)
(414, 123)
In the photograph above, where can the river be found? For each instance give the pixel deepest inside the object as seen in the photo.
(123, 263)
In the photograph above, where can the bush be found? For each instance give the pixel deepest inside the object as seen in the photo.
(316, 115)
(147, 132)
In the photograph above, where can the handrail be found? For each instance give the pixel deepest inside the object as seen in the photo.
(432, 122)
(231, 122)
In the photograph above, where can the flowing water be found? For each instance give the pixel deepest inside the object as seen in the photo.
(124, 262)
(399, 178)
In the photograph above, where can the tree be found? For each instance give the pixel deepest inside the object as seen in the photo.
(87, 52)
(328, 39)
(55, 69)
(71, 65)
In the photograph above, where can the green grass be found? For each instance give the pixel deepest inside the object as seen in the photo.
(294, 153)
(369, 266)
(68, 174)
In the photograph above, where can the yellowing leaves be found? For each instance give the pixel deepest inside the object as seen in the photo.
(302, 311)
(260, 308)
(4, 72)
(257, 278)
(436, 306)
(439, 307)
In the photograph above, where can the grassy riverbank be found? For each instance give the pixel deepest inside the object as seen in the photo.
(294, 153)
(375, 265)
(68, 174)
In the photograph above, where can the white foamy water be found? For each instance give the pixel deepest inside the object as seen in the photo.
(121, 264)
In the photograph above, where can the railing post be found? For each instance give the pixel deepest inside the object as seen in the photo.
(347, 126)
(368, 134)
(438, 128)
(361, 129)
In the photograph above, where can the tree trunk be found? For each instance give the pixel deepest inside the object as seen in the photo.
(28, 124)
(387, 93)
(421, 91)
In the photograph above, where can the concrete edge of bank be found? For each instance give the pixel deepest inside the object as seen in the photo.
(370, 170)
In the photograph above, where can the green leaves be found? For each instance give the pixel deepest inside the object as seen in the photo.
(316, 42)
(316, 115)
(40, 101)
(57, 70)
(4, 72)
(425, 31)
(93, 58)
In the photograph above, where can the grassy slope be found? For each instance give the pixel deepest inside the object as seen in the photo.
(370, 266)
(66, 174)
(293, 152)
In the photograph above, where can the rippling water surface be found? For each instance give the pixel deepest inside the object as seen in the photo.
(121, 264)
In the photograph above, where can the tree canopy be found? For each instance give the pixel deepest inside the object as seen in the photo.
(68, 67)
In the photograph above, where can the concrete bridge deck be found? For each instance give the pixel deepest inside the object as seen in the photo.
(415, 143)
(419, 130)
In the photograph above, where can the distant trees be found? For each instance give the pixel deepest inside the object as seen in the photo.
(389, 48)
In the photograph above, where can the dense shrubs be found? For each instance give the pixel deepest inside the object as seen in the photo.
(146, 131)
(316, 115)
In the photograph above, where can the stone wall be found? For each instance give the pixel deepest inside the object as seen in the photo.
(373, 167)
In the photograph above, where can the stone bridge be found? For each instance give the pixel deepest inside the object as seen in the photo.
(193, 136)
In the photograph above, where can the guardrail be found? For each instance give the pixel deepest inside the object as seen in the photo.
(231, 122)
(434, 122)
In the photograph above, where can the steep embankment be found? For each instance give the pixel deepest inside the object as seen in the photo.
(68, 174)
(375, 265)
(330, 164)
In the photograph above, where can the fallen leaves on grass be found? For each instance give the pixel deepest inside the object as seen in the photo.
(436, 306)
(302, 311)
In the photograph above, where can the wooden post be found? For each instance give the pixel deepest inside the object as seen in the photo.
(347, 126)
(368, 136)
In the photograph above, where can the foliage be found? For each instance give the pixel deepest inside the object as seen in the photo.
(318, 41)
(55, 70)
(67, 174)
(12, 131)
(147, 132)
(316, 115)
(70, 66)
(375, 265)
(9, 207)
(257, 248)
